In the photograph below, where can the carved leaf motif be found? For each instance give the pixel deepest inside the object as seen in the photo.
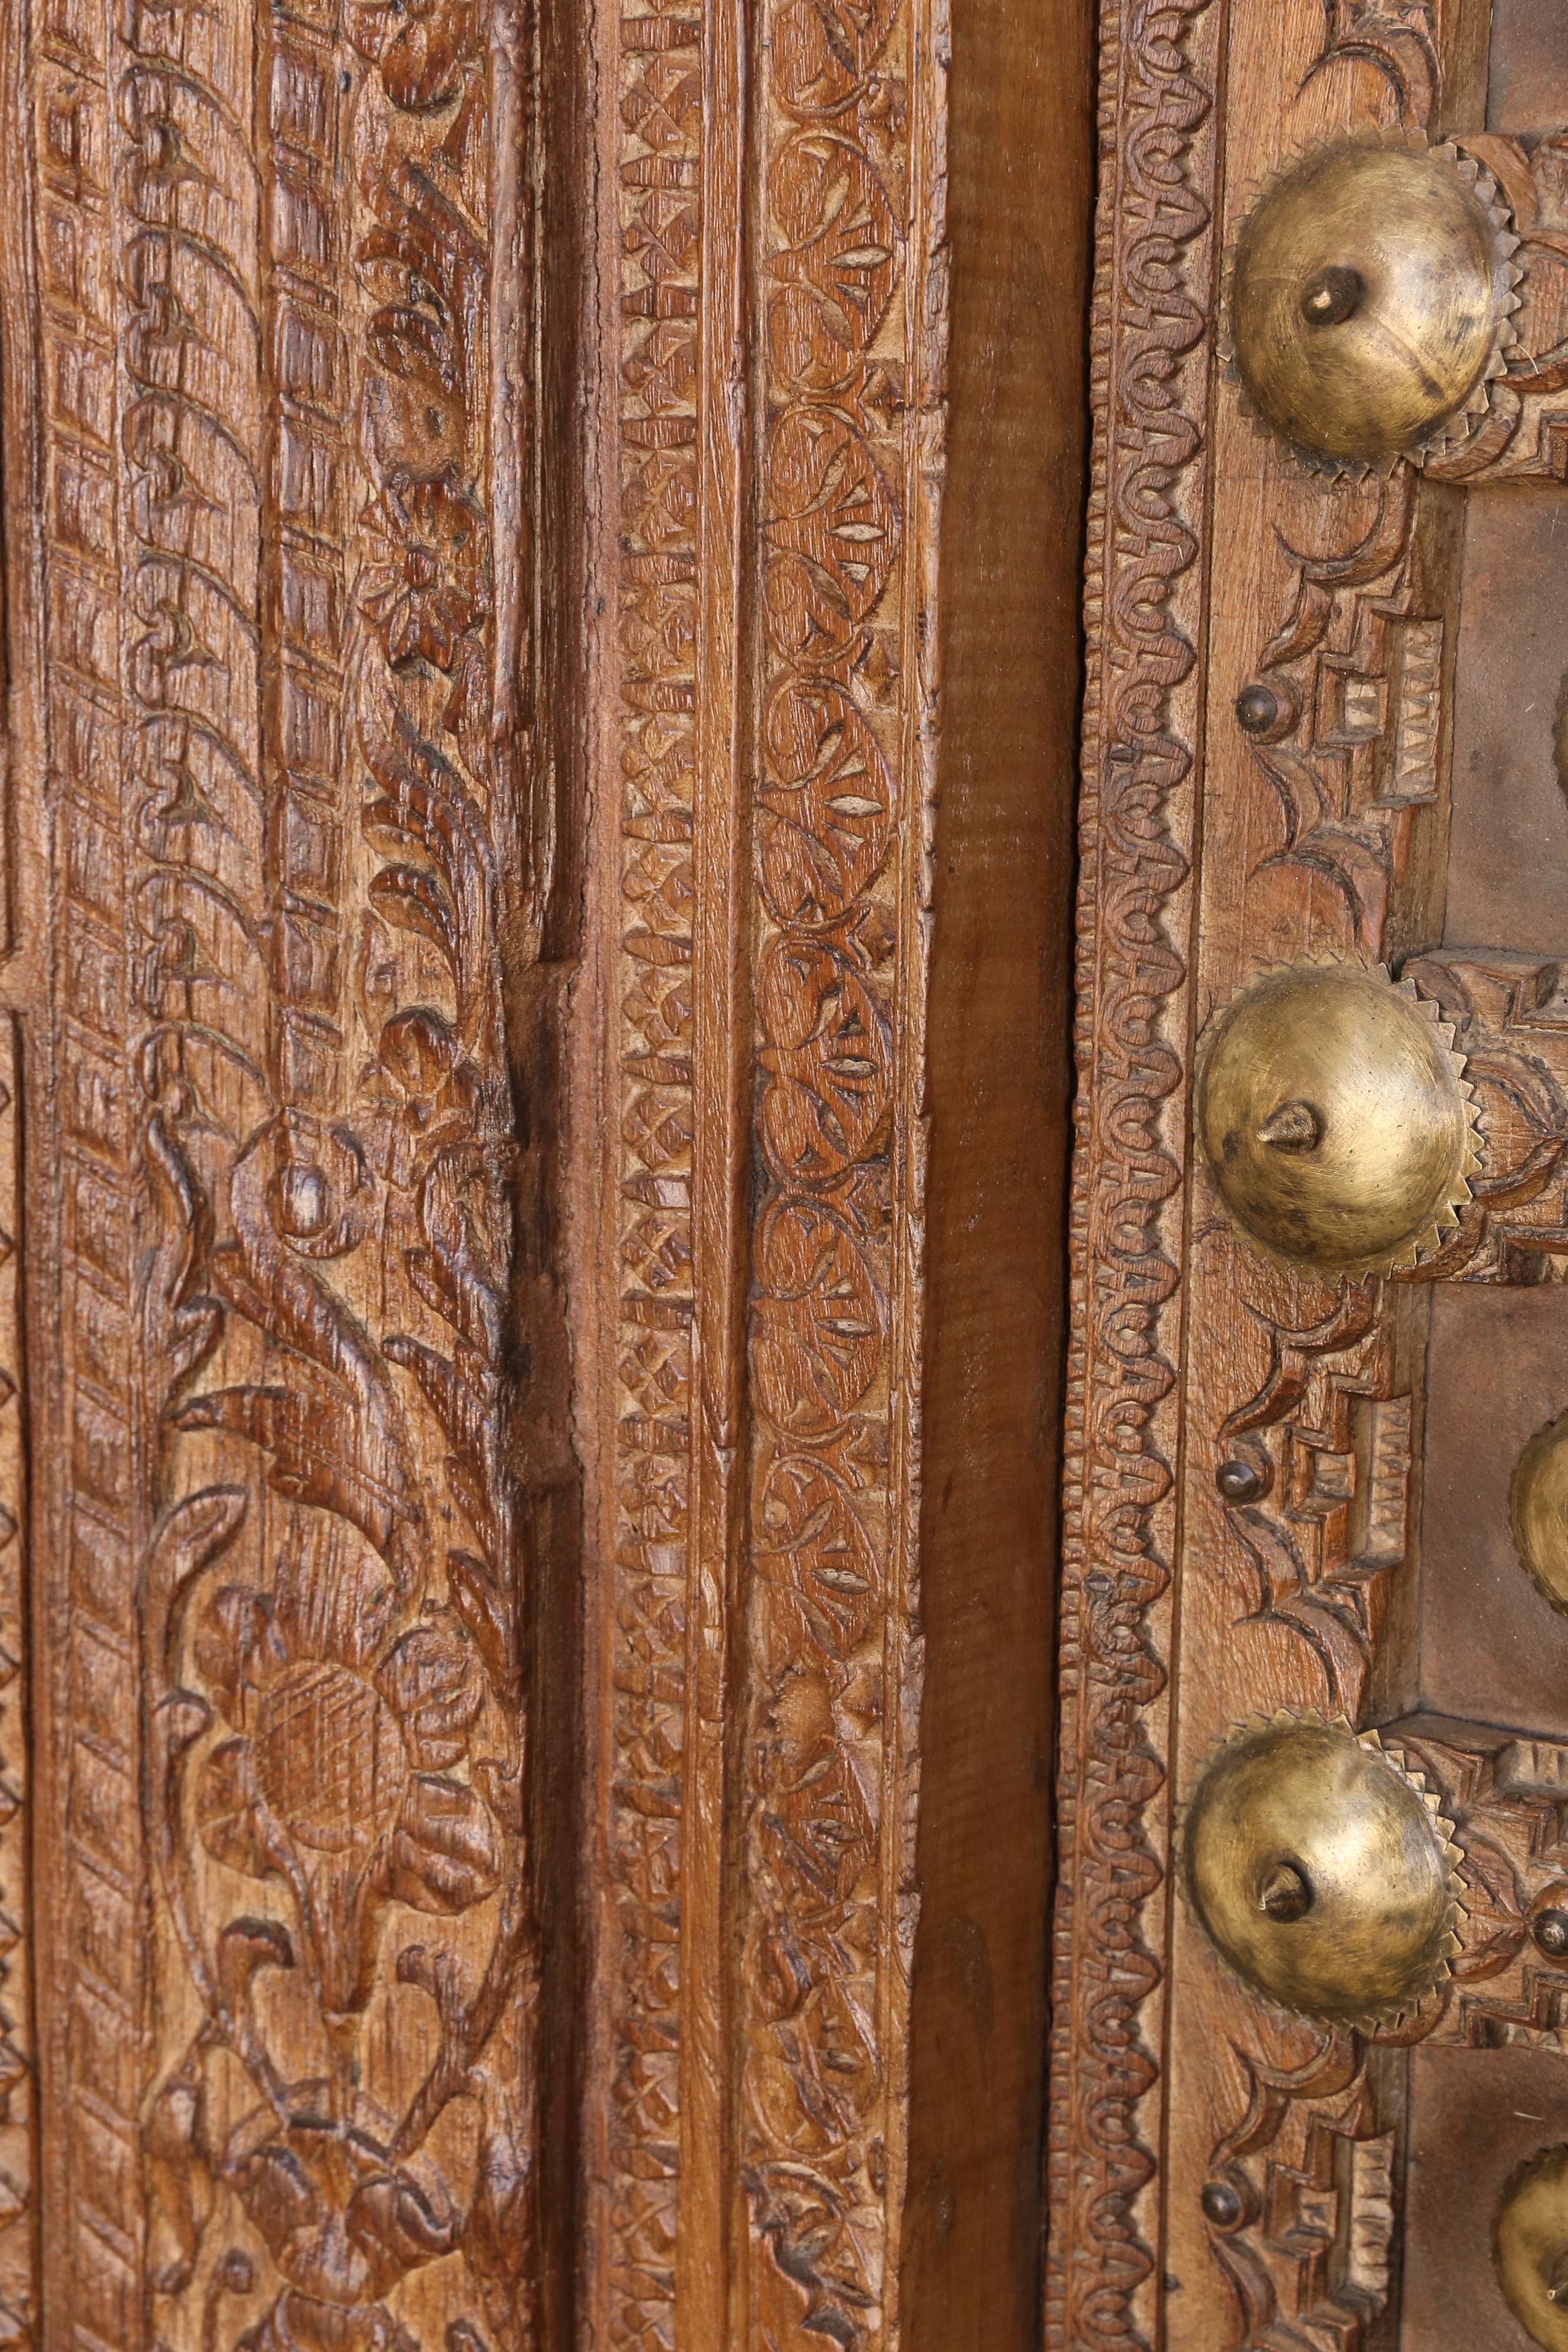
(827, 805)
(489, 1615)
(834, 281)
(499, 2217)
(824, 49)
(423, 807)
(827, 1057)
(815, 1549)
(336, 1432)
(815, 1823)
(446, 1851)
(816, 1340)
(802, 2216)
(833, 532)
(182, 1324)
(175, 2141)
(422, 52)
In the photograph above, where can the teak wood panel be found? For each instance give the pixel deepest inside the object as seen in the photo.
(541, 566)
(1405, 805)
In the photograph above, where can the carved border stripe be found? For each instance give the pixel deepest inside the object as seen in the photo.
(84, 726)
(18, 2120)
(847, 471)
(150, 589)
(1149, 383)
(659, 93)
(721, 980)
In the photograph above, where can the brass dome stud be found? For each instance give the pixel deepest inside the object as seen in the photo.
(1321, 1871)
(1538, 1511)
(1529, 2247)
(1370, 288)
(1335, 1119)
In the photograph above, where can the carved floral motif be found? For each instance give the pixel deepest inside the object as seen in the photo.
(283, 825)
(826, 1638)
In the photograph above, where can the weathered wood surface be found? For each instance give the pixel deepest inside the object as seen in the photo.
(1224, 2175)
(540, 560)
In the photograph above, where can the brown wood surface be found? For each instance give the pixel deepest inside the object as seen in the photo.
(542, 640)
(1224, 2173)
(997, 1044)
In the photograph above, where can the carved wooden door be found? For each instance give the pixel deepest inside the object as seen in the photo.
(1311, 1996)
(541, 590)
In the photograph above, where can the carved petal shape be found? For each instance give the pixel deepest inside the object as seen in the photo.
(228, 1808)
(237, 1646)
(434, 1682)
(335, 1598)
(446, 1850)
(396, 2228)
(423, 65)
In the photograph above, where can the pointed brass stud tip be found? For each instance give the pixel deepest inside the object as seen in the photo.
(1295, 1127)
(1370, 293)
(1538, 1511)
(1284, 1893)
(1320, 1870)
(1529, 2247)
(1331, 296)
(1335, 1119)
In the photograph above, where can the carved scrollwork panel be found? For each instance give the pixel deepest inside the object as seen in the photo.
(289, 1765)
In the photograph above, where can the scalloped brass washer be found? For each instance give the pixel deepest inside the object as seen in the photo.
(1319, 1869)
(1530, 2246)
(1369, 292)
(1336, 1118)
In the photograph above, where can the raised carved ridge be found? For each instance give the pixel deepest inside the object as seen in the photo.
(18, 2097)
(1149, 374)
(658, 201)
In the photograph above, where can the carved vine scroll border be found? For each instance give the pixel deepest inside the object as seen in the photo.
(1149, 377)
(803, 858)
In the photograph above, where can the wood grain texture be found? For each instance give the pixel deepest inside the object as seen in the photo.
(1268, 1499)
(288, 2083)
(998, 1045)
(480, 633)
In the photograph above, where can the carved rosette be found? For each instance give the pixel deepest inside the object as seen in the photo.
(830, 1653)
